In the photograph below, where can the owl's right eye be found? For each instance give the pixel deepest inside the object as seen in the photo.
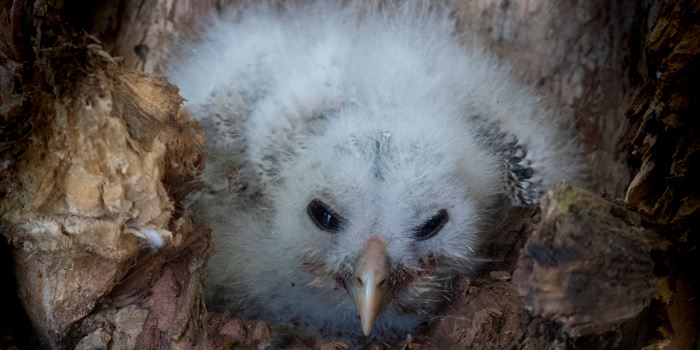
(431, 227)
(323, 216)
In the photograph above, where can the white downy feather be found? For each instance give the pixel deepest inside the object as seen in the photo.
(381, 112)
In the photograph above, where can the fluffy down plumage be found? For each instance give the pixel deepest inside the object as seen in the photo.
(386, 117)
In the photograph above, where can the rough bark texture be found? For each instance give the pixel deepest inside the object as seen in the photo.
(663, 148)
(663, 136)
(588, 265)
(141, 32)
(96, 156)
(98, 168)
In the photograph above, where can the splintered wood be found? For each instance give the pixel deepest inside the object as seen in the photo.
(94, 188)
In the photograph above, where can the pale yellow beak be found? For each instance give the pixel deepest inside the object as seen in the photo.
(370, 282)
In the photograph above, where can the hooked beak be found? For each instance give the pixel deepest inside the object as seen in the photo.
(370, 281)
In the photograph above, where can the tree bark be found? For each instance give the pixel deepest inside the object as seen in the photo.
(96, 174)
(97, 159)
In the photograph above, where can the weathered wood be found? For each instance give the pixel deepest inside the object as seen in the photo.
(664, 145)
(141, 33)
(664, 154)
(588, 265)
(101, 171)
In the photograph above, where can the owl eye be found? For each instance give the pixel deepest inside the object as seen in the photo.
(431, 227)
(325, 218)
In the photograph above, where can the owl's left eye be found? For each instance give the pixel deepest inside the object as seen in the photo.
(431, 227)
(325, 218)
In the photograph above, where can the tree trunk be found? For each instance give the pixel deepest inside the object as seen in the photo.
(97, 159)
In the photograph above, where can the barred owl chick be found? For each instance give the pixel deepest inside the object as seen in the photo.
(357, 155)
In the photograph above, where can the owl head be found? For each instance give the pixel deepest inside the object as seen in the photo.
(386, 211)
